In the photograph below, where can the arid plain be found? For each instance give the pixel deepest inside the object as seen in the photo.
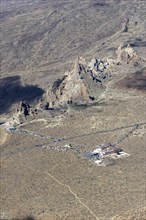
(40, 40)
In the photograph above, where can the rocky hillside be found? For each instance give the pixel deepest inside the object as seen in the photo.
(87, 80)
(40, 35)
(82, 84)
(40, 41)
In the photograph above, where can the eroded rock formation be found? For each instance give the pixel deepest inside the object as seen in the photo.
(87, 80)
(128, 55)
(83, 84)
(25, 109)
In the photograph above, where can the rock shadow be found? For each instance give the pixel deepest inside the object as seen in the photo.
(12, 91)
(135, 81)
(100, 4)
(137, 43)
(25, 218)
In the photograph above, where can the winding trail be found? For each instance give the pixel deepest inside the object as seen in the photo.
(62, 184)
(74, 194)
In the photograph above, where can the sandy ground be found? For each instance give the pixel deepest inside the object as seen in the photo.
(63, 185)
(40, 41)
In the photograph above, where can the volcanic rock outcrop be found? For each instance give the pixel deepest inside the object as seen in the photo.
(87, 81)
(20, 116)
(128, 55)
(83, 84)
(25, 109)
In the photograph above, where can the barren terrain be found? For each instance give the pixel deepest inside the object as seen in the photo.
(40, 40)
